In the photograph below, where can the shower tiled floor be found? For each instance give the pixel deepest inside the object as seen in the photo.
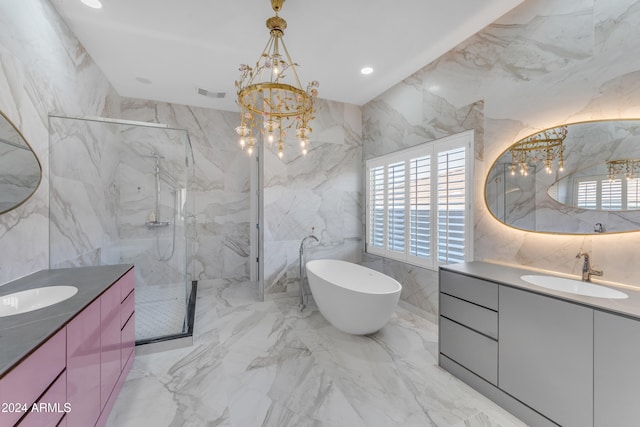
(266, 364)
(159, 311)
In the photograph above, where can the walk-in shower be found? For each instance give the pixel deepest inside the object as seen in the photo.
(119, 194)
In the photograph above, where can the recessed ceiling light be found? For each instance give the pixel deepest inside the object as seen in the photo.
(366, 70)
(96, 4)
(143, 80)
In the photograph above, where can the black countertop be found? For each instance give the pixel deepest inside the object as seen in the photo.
(21, 334)
(510, 276)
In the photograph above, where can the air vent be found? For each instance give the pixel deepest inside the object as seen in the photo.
(211, 94)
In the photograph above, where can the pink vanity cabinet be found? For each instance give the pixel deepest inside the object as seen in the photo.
(75, 376)
(95, 372)
(118, 342)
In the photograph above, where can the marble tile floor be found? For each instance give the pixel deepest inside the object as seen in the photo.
(266, 364)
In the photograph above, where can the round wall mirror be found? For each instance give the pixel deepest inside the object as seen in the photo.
(577, 178)
(20, 170)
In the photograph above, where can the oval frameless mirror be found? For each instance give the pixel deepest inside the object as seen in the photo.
(578, 178)
(20, 170)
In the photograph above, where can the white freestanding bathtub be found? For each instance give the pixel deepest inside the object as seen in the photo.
(355, 299)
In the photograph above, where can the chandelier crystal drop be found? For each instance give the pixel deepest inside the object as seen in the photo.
(270, 96)
(629, 168)
(543, 147)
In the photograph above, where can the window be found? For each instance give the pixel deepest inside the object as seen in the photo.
(599, 192)
(419, 202)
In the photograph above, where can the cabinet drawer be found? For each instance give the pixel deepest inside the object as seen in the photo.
(126, 308)
(475, 317)
(50, 407)
(127, 283)
(472, 350)
(470, 289)
(26, 382)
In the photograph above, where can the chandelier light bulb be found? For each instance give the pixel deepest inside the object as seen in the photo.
(304, 151)
(280, 149)
(242, 143)
(250, 150)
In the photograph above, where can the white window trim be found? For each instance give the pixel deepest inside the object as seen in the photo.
(429, 148)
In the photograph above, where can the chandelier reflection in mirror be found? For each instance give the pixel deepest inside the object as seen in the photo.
(545, 147)
(627, 167)
(270, 96)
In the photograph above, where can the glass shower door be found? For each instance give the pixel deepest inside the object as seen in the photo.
(118, 194)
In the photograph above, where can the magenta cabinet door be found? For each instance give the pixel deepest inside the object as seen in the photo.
(110, 342)
(51, 407)
(22, 386)
(83, 367)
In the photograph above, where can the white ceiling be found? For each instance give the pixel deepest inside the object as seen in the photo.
(180, 46)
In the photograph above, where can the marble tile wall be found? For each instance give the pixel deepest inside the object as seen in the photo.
(320, 190)
(44, 69)
(83, 191)
(543, 64)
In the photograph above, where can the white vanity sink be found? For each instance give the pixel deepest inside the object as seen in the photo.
(574, 286)
(34, 299)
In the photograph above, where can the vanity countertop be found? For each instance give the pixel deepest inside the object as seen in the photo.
(21, 334)
(510, 276)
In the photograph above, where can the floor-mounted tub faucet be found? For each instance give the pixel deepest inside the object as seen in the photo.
(587, 272)
(309, 237)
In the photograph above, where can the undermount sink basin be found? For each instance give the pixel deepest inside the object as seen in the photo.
(34, 299)
(574, 286)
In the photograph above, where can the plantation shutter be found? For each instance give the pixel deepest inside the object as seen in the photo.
(376, 207)
(611, 195)
(451, 205)
(417, 208)
(587, 194)
(396, 206)
(633, 193)
(420, 203)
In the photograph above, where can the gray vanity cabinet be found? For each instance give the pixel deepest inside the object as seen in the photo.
(616, 371)
(546, 355)
(469, 324)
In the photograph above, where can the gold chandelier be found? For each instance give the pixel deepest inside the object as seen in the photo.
(545, 146)
(628, 167)
(265, 97)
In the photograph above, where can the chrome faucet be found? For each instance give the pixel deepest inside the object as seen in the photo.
(587, 272)
(309, 237)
